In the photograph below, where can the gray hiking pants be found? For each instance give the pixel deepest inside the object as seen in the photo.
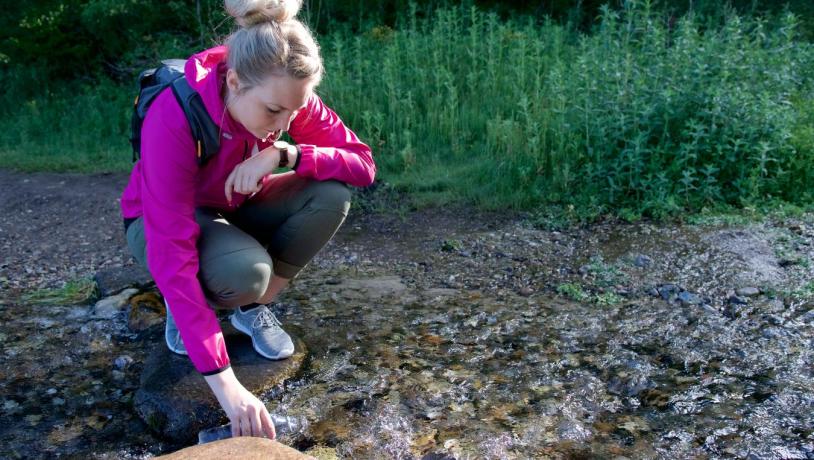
(279, 230)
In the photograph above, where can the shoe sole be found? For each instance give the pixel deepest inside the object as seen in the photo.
(240, 328)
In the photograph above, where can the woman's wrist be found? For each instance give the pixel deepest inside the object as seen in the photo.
(223, 383)
(293, 156)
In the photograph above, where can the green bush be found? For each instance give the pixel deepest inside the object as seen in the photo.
(644, 115)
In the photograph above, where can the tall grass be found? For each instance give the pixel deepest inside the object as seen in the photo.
(80, 127)
(646, 115)
(643, 115)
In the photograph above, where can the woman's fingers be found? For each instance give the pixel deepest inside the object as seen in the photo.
(241, 181)
(257, 425)
(235, 427)
(268, 425)
(230, 182)
(248, 186)
(245, 425)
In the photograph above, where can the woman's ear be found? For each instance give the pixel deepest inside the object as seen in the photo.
(232, 81)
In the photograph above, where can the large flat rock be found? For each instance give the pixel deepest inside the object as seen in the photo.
(174, 399)
(113, 280)
(245, 448)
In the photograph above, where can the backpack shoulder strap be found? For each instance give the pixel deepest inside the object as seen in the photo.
(204, 130)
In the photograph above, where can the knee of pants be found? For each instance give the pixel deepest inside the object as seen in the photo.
(330, 195)
(238, 278)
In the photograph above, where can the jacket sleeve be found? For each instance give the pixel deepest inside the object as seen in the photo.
(169, 172)
(328, 149)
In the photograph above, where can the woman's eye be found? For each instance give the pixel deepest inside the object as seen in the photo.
(274, 112)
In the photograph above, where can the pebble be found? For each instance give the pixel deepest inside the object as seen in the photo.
(748, 291)
(642, 261)
(688, 298)
(735, 300)
(734, 310)
(122, 362)
(668, 291)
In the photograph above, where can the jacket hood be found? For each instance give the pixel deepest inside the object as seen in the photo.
(206, 74)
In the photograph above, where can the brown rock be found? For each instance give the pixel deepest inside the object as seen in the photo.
(146, 310)
(244, 448)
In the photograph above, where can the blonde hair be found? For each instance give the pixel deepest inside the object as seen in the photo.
(271, 41)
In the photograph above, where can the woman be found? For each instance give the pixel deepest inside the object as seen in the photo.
(230, 234)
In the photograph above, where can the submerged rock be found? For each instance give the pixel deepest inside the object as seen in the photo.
(146, 310)
(245, 447)
(174, 399)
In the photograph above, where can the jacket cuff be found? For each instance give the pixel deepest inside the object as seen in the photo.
(216, 371)
(306, 164)
(299, 155)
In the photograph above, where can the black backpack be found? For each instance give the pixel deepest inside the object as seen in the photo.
(151, 82)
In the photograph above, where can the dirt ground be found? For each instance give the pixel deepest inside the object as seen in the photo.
(61, 227)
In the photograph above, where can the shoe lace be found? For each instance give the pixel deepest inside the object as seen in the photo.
(266, 318)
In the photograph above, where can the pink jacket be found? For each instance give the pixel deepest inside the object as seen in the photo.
(166, 185)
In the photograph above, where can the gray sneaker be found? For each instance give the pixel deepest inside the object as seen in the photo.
(172, 336)
(268, 337)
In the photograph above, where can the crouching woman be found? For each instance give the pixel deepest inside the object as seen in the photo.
(230, 234)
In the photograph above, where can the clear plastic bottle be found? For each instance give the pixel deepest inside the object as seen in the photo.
(282, 425)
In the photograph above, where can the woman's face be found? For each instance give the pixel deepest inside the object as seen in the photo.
(266, 110)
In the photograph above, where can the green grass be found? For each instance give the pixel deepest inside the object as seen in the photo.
(575, 292)
(82, 129)
(572, 291)
(74, 292)
(644, 117)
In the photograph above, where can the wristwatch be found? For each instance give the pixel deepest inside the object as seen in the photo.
(282, 146)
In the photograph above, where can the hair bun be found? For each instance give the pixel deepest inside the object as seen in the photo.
(251, 12)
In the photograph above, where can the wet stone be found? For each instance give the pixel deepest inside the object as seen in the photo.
(145, 310)
(736, 310)
(642, 261)
(736, 300)
(668, 291)
(110, 306)
(122, 362)
(654, 397)
(748, 292)
(174, 399)
(688, 298)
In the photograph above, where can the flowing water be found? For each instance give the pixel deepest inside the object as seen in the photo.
(423, 348)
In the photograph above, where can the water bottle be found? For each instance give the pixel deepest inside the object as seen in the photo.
(282, 425)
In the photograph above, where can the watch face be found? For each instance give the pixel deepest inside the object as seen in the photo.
(280, 145)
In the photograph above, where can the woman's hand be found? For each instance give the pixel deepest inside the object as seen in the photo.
(246, 176)
(247, 414)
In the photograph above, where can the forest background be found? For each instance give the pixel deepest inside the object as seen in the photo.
(567, 109)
